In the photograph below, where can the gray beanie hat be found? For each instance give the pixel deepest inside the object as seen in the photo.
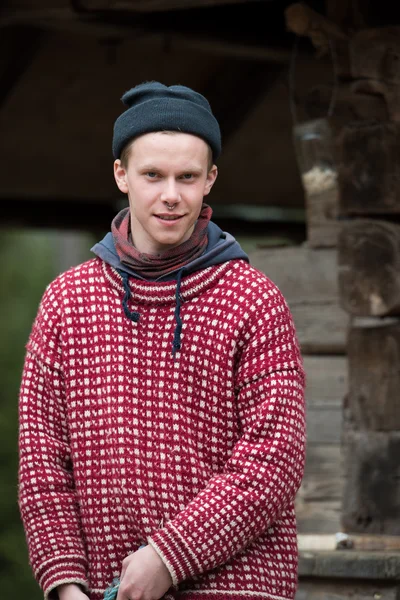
(153, 106)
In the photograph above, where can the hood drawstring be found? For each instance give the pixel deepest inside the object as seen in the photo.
(135, 316)
(176, 344)
(132, 315)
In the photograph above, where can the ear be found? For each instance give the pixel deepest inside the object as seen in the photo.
(211, 177)
(120, 176)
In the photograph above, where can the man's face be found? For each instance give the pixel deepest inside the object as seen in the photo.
(165, 169)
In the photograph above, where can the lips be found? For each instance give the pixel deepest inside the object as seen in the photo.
(169, 217)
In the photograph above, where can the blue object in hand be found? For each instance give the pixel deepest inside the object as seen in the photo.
(112, 591)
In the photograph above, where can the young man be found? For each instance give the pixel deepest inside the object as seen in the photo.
(162, 427)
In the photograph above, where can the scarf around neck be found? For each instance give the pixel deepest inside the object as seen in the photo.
(151, 266)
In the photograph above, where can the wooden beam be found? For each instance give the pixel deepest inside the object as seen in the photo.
(336, 541)
(148, 6)
(371, 499)
(372, 401)
(375, 54)
(368, 268)
(136, 6)
(232, 101)
(114, 27)
(343, 589)
(369, 169)
(20, 44)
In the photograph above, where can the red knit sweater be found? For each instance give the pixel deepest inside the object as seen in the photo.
(200, 455)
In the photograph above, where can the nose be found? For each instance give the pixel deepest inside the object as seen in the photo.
(170, 192)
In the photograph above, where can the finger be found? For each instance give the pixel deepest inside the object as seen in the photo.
(123, 569)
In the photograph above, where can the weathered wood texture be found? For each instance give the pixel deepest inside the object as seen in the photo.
(343, 564)
(326, 381)
(323, 225)
(319, 500)
(349, 575)
(322, 542)
(323, 208)
(350, 590)
(369, 169)
(371, 498)
(369, 267)
(373, 399)
(375, 54)
(352, 102)
(308, 280)
(318, 503)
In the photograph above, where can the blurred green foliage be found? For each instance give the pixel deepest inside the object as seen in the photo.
(29, 261)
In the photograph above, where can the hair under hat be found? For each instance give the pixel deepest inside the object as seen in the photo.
(153, 106)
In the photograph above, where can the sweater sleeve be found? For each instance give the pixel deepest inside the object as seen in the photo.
(46, 494)
(264, 472)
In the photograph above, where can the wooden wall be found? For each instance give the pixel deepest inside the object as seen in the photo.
(307, 278)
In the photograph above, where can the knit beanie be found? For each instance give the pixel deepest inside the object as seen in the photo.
(153, 106)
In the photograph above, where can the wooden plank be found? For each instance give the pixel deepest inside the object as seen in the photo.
(369, 168)
(371, 498)
(324, 458)
(326, 381)
(382, 567)
(318, 502)
(368, 267)
(374, 377)
(321, 487)
(320, 517)
(335, 541)
(338, 590)
(324, 426)
(308, 280)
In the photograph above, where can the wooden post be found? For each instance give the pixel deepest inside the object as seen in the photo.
(369, 288)
(369, 267)
(371, 429)
(369, 169)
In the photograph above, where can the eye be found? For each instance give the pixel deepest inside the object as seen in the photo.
(151, 174)
(187, 176)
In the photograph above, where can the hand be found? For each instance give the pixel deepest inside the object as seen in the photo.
(70, 591)
(144, 576)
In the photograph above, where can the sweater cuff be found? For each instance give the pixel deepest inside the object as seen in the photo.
(178, 557)
(61, 570)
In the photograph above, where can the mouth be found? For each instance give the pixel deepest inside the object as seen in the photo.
(169, 217)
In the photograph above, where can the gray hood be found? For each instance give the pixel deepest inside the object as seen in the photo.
(221, 248)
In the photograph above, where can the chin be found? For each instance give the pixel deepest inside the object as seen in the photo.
(170, 241)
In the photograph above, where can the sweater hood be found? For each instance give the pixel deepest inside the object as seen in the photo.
(221, 248)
